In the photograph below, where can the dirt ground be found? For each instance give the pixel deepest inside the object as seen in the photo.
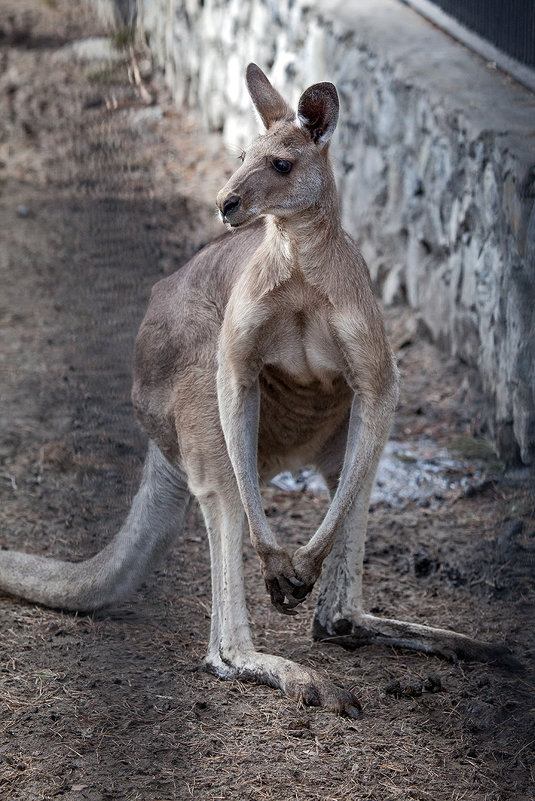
(100, 195)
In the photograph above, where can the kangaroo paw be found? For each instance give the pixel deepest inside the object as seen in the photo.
(281, 581)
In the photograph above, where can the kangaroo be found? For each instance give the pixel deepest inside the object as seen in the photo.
(265, 352)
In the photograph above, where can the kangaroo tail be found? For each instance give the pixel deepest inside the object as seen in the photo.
(155, 518)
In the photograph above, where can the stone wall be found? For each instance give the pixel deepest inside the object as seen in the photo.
(434, 156)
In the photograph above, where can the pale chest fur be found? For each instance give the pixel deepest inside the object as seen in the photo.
(298, 338)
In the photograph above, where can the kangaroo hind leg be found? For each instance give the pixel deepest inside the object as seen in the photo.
(339, 615)
(231, 653)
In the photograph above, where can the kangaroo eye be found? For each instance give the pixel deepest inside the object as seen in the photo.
(282, 166)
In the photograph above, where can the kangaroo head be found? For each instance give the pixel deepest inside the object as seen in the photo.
(285, 171)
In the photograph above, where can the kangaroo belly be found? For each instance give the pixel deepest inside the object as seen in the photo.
(297, 419)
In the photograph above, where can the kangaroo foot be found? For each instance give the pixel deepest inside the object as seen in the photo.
(305, 685)
(440, 642)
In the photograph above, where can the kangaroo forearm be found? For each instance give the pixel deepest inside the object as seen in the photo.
(239, 412)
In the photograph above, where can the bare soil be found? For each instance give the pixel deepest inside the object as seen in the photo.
(101, 195)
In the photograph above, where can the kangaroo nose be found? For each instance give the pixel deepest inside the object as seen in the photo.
(231, 205)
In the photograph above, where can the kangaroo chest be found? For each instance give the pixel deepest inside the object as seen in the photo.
(298, 339)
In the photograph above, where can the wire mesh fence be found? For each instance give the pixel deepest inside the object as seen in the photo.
(507, 24)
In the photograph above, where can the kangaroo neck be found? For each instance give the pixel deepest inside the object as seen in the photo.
(312, 239)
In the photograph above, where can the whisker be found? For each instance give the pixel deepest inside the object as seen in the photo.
(236, 150)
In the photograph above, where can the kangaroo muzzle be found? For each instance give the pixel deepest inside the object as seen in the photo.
(228, 206)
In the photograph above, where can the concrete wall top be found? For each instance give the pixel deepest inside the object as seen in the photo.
(420, 53)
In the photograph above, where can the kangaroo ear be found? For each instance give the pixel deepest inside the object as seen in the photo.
(267, 101)
(317, 112)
